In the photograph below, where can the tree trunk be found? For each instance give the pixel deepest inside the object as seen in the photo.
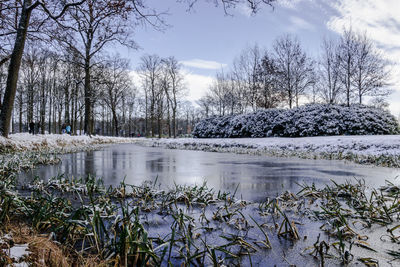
(75, 113)
(88, 99)
(130, 122)
(54, 119)
(66, 104)
(174, 122)
(51, 104)
(29, 113)
(80, 124)
(103, 121)
(20, 116)
(348, 81)
(115, 122)
(42, 111)
(123, 117)
(59, 119)
(169, 119)
(13, 69)
(146, 125)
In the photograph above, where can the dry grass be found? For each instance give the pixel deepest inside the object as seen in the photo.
(44, 252)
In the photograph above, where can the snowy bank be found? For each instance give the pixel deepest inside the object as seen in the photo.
(377, 150)
(25, 141)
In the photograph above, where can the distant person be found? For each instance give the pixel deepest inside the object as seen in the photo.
(63, 128)
(32, 128)
(68, 129)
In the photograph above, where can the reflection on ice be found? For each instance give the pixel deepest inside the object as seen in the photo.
(257, 176)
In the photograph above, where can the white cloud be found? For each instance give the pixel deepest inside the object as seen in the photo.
(203, 64)
(381, 21)
(299, 23)
(292, 4)
(196, 84)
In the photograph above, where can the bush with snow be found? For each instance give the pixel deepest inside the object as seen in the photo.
(308, 120)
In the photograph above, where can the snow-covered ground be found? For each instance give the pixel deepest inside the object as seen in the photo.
(25, 141)
(381, 150)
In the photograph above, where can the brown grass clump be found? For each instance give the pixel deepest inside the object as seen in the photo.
(46, 253)
(43, 252)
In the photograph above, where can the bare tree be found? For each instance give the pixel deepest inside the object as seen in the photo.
(27, 7)
(371, 75)
(150, 71)
(132, 103)
(117, 83)
(30, 78)
(329, 84)
(175, 89)
(247, 68)
(347, 61)
(221, 93)
(90, 27)
(295, 70)
(270, 94)
(304, 76)
(205, 103)
(241, 99)
(379, 102)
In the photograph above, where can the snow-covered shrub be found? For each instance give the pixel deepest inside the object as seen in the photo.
(308, 120)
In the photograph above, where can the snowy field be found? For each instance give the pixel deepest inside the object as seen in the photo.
(381, 150)
(25, 141)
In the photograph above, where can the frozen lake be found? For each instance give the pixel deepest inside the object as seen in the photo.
(256, 177)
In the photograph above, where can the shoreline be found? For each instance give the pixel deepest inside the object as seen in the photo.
(378, 150)
(61, 143)
(382, 151)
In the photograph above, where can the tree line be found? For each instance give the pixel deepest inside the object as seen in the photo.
(51, 93)
(84, 29)
(347, 71)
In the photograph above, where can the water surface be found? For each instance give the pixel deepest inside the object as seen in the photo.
(255, 177)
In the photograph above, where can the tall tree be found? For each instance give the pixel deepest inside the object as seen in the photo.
(371, 74)
(270, 93)
(176, 88)
(295, 69)
(27, 8)
(247, 67)
(117, 84)
(92, 26)
(150, 72)
(329, 85)
(347, 61)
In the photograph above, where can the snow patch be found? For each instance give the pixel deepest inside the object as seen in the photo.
(25, 141)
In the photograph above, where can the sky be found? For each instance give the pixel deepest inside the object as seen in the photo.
(205, 39)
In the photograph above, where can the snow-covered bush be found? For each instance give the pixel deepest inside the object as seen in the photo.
(308, 120)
